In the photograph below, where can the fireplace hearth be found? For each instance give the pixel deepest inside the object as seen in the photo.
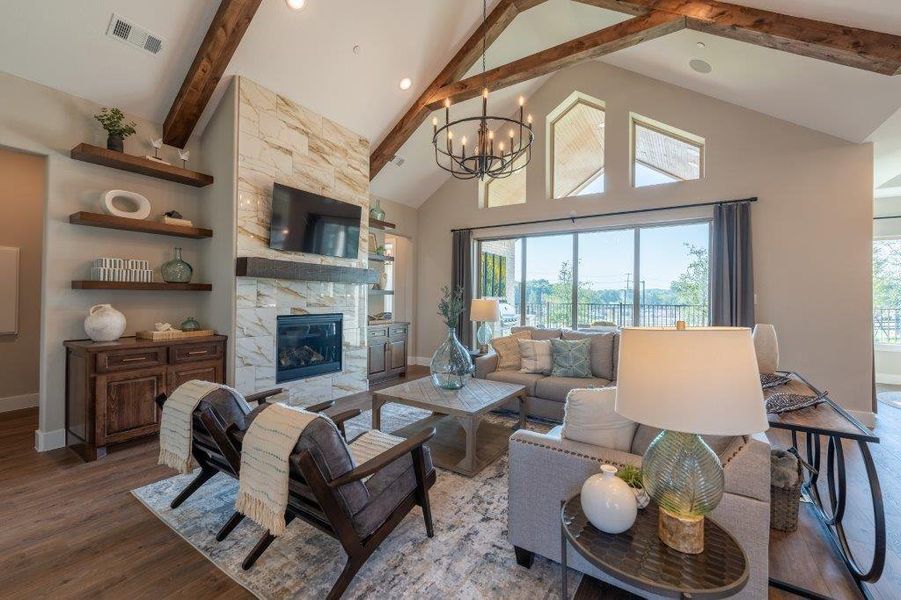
(308, 345)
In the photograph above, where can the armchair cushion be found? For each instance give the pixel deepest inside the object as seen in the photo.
(590, 418)
(556, 388)
(387, 488)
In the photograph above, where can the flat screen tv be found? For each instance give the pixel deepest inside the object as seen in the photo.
(307, 222)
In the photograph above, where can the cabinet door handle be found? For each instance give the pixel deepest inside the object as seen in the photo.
(196, 352)
(136, 359)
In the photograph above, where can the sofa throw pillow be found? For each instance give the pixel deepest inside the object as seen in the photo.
(572, 358)
(602, 349)
(536, 356)
(589, 417)
(507, 348)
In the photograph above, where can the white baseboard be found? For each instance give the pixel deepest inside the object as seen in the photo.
(868, 418)
(422, 361)
(49, 440)
(18, 402)
(889, 378)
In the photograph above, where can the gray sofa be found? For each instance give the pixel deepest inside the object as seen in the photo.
(546, 469)
(546, 394)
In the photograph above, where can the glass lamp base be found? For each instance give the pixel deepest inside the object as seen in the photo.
(685, 478)
(484, 335)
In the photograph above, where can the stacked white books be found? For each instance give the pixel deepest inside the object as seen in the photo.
(121, 269)
(173, 221)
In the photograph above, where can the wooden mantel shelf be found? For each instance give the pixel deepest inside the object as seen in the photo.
(139, 164)
(145, 286)
(266, 268)
(90, 219)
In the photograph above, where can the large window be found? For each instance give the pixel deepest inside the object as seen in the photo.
(577, 132)
(887, 291)
(648, 275)
(506, 191)
(663, 154)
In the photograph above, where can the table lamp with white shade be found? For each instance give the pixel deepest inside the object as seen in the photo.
(688, 382)
(485, 310)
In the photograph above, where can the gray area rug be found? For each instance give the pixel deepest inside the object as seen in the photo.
(469, 557)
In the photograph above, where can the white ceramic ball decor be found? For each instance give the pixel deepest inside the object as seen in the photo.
(140, 203)
(608, 501)
(104, 323)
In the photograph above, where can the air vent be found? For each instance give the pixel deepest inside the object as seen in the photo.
(125, 31)
(397, 160)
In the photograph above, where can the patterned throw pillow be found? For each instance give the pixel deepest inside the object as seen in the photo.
(507, 348)
(571, 358)
(536, 356)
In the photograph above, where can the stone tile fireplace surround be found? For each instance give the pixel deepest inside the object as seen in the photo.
(280, 141)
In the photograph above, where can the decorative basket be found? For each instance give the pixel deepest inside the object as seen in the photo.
(785, 502)
(173, 334)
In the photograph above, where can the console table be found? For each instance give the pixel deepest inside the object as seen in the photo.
(111, 387)
(829, 420)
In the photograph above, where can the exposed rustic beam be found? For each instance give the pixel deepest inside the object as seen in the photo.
(849, 46)
(607, 40)
(497, 21)
(215, 52)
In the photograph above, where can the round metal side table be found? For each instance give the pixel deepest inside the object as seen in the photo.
(638, 557)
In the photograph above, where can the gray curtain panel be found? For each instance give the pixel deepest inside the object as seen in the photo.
(461, 275)
(732, 266)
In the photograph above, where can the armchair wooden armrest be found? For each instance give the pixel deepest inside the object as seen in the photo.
(161, 400)
(379, 462)
(320, 407)
(341, 417)
(262, 396)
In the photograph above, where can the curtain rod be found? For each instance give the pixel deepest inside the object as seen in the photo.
(609, 214)
(887, 217)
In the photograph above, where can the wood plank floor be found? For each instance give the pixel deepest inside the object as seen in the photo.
(70, 529)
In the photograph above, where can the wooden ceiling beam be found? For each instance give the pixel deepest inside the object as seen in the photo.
(591, 46)
(497, 21)
(216, 50)
(839, 44)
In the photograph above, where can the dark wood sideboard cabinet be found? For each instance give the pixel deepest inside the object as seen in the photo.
(387, 351)
(111, 386)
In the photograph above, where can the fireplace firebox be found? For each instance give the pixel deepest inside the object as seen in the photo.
(308, 345)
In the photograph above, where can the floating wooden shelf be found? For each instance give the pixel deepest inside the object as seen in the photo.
(376, 224)
(139, 164)
(381, 292)
(381, 258)
(129, 285)
(110, 222)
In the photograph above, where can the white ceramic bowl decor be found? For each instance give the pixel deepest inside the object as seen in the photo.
(104, 323)
(140, 204)
(608, 501)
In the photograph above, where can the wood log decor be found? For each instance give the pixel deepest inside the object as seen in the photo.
(216, 50)
(849, 46)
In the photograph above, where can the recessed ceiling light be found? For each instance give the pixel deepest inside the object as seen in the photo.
(701, 66)
(296, 4)
(406, 83)
(702, 45)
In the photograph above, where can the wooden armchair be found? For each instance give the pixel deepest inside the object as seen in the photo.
(210, 446)
(358, 492)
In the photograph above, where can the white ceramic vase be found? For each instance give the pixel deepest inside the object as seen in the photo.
(608, 501)
(104, 323)
(766, 346)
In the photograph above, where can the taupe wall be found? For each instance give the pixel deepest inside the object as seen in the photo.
(812, 229)
(22, 226)
(47, 122)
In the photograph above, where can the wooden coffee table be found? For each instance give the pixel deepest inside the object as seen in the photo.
(463, 442)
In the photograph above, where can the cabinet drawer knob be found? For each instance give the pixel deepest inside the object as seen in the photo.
(135, 359)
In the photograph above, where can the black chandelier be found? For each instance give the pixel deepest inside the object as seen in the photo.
(488, 157)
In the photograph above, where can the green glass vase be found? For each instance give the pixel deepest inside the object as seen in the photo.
(177, 270)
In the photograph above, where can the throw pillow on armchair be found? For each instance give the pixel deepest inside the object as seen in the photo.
(590, 418)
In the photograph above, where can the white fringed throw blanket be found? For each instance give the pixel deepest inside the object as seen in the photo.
(263, 482)
(176, 426)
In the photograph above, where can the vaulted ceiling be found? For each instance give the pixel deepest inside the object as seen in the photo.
(309, 55)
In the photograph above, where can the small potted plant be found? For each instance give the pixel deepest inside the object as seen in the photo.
(632, 476)
(113, 121)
